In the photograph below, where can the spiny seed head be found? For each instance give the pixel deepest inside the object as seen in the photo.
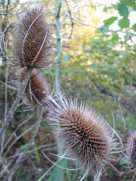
(83, 133)
(37, 90)
(131, 148)
(32, 38)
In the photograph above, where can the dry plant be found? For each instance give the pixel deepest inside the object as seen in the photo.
(37, 90)
(33, 49)
(130, 151)
(83, 133)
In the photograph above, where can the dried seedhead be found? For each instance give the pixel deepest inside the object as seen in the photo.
(33, 38)
(37, 90)
(131, 148)
(83, 133)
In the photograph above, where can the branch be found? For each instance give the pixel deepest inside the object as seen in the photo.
(128, 103)
(72, 23)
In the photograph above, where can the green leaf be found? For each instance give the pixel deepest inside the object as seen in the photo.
(24, 147)
(57, 172)
(115, 38)
(123, 10)
(124, 23)
(129, 79)
(69, 175)
(103, 28)
(110, 20)
(134, 27)
(128, 2)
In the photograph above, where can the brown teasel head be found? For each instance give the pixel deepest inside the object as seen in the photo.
(32, 40)
(131, 148)
(37, 90)
(83, 133)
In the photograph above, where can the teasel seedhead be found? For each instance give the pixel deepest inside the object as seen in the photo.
(84, 134)
(131, 148)
(37, 90)
(33, 43)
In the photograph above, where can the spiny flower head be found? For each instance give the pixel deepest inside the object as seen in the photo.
(131, 148)
(32, 38)
(83, 133)
(37, 89)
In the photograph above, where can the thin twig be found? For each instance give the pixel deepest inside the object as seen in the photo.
(15, 167)
(20, 136)
(72, 23)
(14, 133)
(8, 86)
(48, 147)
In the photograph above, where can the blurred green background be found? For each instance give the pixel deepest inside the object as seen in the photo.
(97, 65)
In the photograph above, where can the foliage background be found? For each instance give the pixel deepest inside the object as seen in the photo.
(97, 65)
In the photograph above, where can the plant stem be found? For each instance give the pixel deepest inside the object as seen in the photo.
(59, 46)
(6, 104)
(16, 102)
(58, 4)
